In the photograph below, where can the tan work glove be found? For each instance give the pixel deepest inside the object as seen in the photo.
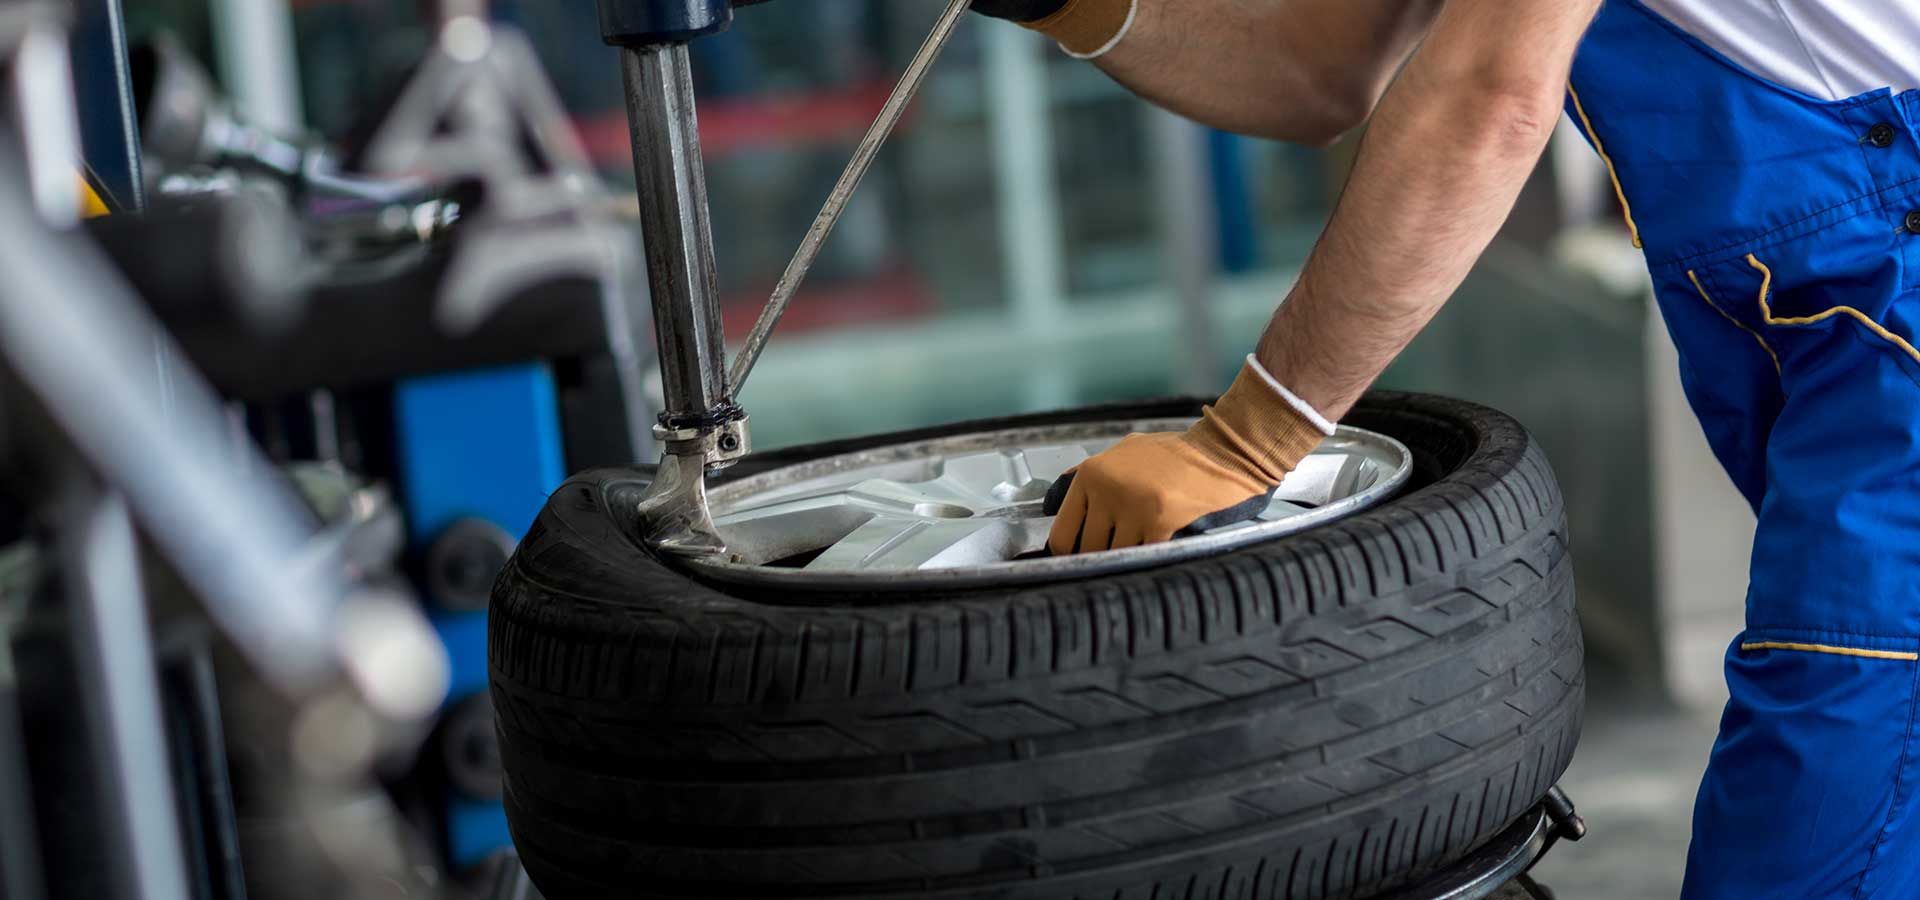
(1151, 487)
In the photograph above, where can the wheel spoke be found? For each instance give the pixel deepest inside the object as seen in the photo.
(937, 499)
(1315, 481)
(903, 544)
(790, 527)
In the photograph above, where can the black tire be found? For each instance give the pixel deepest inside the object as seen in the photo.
(1327, 715)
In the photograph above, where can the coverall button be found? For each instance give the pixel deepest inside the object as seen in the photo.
(1880, 135)
(1913, 221)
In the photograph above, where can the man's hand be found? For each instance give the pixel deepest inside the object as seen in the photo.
(1151, 487)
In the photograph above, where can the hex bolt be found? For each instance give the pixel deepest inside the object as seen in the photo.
(463, 561)
(470, 750)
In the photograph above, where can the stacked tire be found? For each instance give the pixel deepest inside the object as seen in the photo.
(1331, 714)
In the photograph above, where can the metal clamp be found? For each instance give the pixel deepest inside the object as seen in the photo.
(720, 445)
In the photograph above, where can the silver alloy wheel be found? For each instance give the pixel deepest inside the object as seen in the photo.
(966, 510)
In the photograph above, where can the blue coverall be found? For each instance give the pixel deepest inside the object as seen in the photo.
(1783, 235)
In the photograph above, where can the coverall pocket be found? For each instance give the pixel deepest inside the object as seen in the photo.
(1820, 320)
(1809, 790)
(1730, 371)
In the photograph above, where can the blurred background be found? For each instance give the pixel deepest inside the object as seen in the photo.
(1034, 237)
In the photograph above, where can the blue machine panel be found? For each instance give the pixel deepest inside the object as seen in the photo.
(485, 445)
(474, 830)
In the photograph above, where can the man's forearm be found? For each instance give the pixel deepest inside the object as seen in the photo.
(1299, 70)
(1452, 143)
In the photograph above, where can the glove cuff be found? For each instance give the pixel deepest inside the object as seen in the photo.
(1087, 29)
(1258, 427)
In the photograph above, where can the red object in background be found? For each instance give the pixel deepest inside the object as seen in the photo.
(727, 126)
(797, 121)
(896, 295)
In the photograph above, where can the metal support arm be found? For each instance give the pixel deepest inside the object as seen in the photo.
(672, 185)
(703, 428)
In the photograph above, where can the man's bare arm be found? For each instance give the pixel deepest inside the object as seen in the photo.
(1444, 159)
(1305, 71)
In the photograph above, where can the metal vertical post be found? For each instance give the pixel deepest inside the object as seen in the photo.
(1190, 235)
(260, 63)
(43, 97)
(101, 574)
(1027, 198)
(679, 240)
(1026, 192)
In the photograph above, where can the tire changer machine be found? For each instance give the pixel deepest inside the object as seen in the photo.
(256, 276)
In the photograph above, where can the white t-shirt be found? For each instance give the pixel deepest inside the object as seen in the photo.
(1832, 49)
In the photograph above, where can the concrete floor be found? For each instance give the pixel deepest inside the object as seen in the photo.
(1633, 780)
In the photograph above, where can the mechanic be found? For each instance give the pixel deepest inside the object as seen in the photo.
(1765, 154)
